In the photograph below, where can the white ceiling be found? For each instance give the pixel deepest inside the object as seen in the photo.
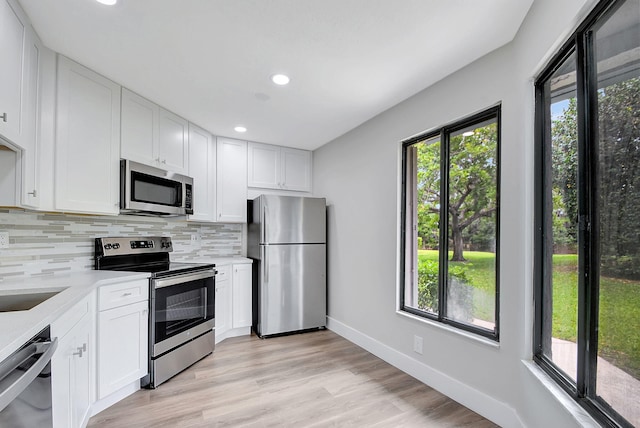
(210, 60)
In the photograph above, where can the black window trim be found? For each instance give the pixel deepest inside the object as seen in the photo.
(580, 43)
(491, 113)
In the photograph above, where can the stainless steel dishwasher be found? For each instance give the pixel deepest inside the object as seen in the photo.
(25, 384)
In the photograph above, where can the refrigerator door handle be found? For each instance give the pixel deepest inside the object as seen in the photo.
(264, 224)
(265, 264)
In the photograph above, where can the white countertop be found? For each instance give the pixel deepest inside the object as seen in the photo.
(17, 327)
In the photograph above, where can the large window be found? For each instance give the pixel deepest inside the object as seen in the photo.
(450, 224)
(588, 215)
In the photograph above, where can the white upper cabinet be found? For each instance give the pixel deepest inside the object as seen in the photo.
(87, 167)
(282, 168)
(13, 72)
(31, 167)
(152, 135)
(202, 168)
(173, 142)
(231, 176)
(139, 128)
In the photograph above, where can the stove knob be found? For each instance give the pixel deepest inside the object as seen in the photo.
(116, 246)
(107, 246)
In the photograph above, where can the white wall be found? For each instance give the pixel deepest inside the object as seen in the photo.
(359, 173)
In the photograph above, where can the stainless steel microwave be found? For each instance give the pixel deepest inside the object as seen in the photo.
(153, 191)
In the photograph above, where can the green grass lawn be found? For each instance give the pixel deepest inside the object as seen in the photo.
(619, 324)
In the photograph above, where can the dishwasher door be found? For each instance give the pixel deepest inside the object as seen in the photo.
(25, 384)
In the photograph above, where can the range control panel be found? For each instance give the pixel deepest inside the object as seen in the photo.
(112, 246)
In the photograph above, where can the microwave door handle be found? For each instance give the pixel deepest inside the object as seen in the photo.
(15, 389)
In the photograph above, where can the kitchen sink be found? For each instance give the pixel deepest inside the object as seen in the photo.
(25, 301)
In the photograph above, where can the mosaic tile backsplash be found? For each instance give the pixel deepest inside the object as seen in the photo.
(48, 243)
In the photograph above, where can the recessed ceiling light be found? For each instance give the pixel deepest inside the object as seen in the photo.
(108, 2)
(280, 79)
(240, 129)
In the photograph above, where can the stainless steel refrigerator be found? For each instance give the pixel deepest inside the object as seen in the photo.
(287, 240)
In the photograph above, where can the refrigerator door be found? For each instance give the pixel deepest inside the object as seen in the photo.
(292, 288)
(292, 219)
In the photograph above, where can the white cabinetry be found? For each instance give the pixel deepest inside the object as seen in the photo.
(282, 168)
(87, 141)
(122, 335)
(233, 300)
(223, 302)
(241, 280)
(72, 366)
(153, 135)
(231, 186)
(30, 156)
(202, 168)
(13, 72)
(20, 51)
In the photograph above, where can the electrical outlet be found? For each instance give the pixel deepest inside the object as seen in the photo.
(417, 344)
(4, 239)
(196, 240)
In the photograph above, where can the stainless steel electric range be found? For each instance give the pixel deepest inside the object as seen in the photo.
(181, 303)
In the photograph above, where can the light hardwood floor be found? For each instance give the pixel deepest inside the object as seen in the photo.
(314, 379)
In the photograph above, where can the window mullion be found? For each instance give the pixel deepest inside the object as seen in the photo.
(444, 225)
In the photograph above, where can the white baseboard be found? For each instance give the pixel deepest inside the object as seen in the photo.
(481, 403)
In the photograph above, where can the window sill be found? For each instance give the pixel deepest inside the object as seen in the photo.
(448, 328)
(581, 416)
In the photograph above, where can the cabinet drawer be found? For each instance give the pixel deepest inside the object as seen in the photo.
(224, 273)
(69, 319)
(112, 296)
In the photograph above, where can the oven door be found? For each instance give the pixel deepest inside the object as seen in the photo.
(182, 307)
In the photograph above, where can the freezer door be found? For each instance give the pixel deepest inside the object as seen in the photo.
(292, 288)
(292, 219)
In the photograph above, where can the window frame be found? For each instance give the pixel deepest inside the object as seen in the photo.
(492, 113)
(581, 42)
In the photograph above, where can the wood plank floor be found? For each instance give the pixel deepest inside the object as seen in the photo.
(314, 379)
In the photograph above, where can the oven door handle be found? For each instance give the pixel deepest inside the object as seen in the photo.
(13, 362)
(181, 279)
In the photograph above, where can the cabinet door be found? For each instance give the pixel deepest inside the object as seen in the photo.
(31, 151)
(223, 308)
(87, 141)
(122, 346)
(71, 376)
(242, 295)
(296, 169)
(231, 187)
(13, 32)
(139, 129)
(173, 146)
(263, 166)
(202, 168)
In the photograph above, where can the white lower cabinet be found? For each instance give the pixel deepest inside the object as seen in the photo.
(223, 301)
(72, 366)
(241, 295)
(122, 335)
(233, 301)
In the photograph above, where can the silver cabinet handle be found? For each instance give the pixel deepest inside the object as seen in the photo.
(15, 389)
(126, 294)
(34, 193)
(81, 349)
(4, 117)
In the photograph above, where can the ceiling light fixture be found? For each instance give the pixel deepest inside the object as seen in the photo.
(240, 129)
(108, 2)
(467, 134)
(280, 79)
